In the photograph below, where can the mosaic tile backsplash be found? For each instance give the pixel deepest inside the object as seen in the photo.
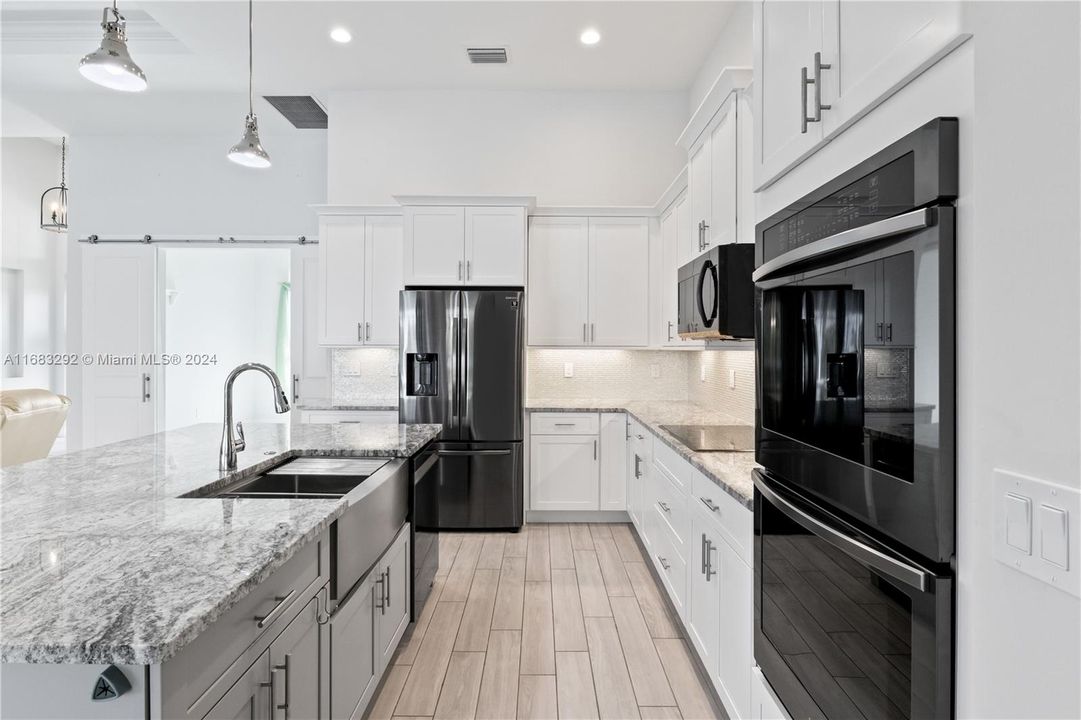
(364, 376)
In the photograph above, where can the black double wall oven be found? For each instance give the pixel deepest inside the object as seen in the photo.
(854, 506)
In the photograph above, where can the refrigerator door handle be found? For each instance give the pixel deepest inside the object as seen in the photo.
(459, 453)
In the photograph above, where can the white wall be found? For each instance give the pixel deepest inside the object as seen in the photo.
(734, 48)
(183, 184)
(221, 302)
(567, 148)
(30, 165)
(1014, 87)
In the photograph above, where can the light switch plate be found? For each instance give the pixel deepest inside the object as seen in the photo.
(732, 378)
(568, 369)
(1053, 512)
(654, 370)
(702, 373)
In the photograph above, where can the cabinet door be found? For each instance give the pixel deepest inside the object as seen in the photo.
(876, 50)
(383, 279)
(352, 654)
(723, 174)
(294, 663)
(619, 282)
(699, 193)
(341, 270)
(613, 451)
(564, 472)
(249, 698)
(392, 599)
(558, 281)
(434, 246)
(704, 592)
(898, 300)
(787, 33)
(736, 628)
(310, 359)
(670, 259)
(495, 246)
(763, 704)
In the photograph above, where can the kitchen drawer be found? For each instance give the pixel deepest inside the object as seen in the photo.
(673, 508)
(194, 679)
(565, 424)
(641, 440)
(348, 416)
(735, 521)
(678, 469)
(670, 562)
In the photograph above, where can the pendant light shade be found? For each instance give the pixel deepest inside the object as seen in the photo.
(249, 151)
(54, 201)
(110, 65)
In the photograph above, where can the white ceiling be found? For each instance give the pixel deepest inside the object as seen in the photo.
(192, 49)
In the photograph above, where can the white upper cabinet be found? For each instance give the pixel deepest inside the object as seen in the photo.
(452, 245)
(619, 282)
(723, 176)
(670, 259)
(310, 360)
(589, 281)
(787, 33)
(877, 50)
(360, 272)
(435, 245)
(699, 175)
(558, 281)
(383, 278)
(341, 265)
(823, 64)
(495, 245)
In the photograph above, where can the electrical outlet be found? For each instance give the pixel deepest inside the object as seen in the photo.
(654, 370)
(702, 373)
(732, 378)
(568, 369)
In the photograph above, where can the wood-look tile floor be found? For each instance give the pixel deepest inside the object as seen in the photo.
(557, 621)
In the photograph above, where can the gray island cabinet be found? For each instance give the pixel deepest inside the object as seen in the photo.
(207, 607)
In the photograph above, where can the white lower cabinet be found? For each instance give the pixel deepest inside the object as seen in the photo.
(699, 539)
(613, 449)
(249, 697)
(348, 416)
(392, 605)
(564, 472)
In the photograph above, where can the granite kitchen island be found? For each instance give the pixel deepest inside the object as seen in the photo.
(105, 563)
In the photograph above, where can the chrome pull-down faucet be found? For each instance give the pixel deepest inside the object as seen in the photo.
(232, 441)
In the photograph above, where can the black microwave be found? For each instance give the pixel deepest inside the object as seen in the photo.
(716, 294)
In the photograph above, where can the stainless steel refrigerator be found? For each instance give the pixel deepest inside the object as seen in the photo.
(460, 365)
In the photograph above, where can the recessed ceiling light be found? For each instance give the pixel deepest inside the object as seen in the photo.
(590, 37)
(340, 34)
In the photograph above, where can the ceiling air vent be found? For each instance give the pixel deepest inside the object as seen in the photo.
(487, 56)
(301, 110)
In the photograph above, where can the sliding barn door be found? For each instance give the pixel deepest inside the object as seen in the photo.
(120, 383)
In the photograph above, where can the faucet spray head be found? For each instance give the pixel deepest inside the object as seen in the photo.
(281, 400)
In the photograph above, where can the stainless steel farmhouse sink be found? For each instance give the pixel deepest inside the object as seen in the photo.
(313, 478)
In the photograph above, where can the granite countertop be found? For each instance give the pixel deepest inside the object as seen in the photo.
(730, 470)
(370, 404)
(102, 562)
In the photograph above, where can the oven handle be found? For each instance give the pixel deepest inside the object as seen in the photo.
(901, 571)
(896, 225)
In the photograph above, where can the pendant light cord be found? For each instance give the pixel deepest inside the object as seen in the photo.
(251, 104)
(63, 159)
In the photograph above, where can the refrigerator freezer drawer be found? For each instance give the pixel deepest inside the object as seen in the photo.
(480, 485)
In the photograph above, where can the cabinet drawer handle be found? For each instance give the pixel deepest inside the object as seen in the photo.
(594, 449)
(889, 332)
(387, 586)
(707, 559)
(804, 81)
(664, 506)
(819, 67)
(664, 563)
(283, 601)
(468, 269)
(709, 503)
(640, 437)
(637, 466)
(296, 388)
(585, 332)
(382, 595)
(878, 331)
(705, 234)
(459, 269)
(566, 424)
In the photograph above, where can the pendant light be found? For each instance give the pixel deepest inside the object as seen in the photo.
(54, 201)
(111, 65)
(249, 151)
